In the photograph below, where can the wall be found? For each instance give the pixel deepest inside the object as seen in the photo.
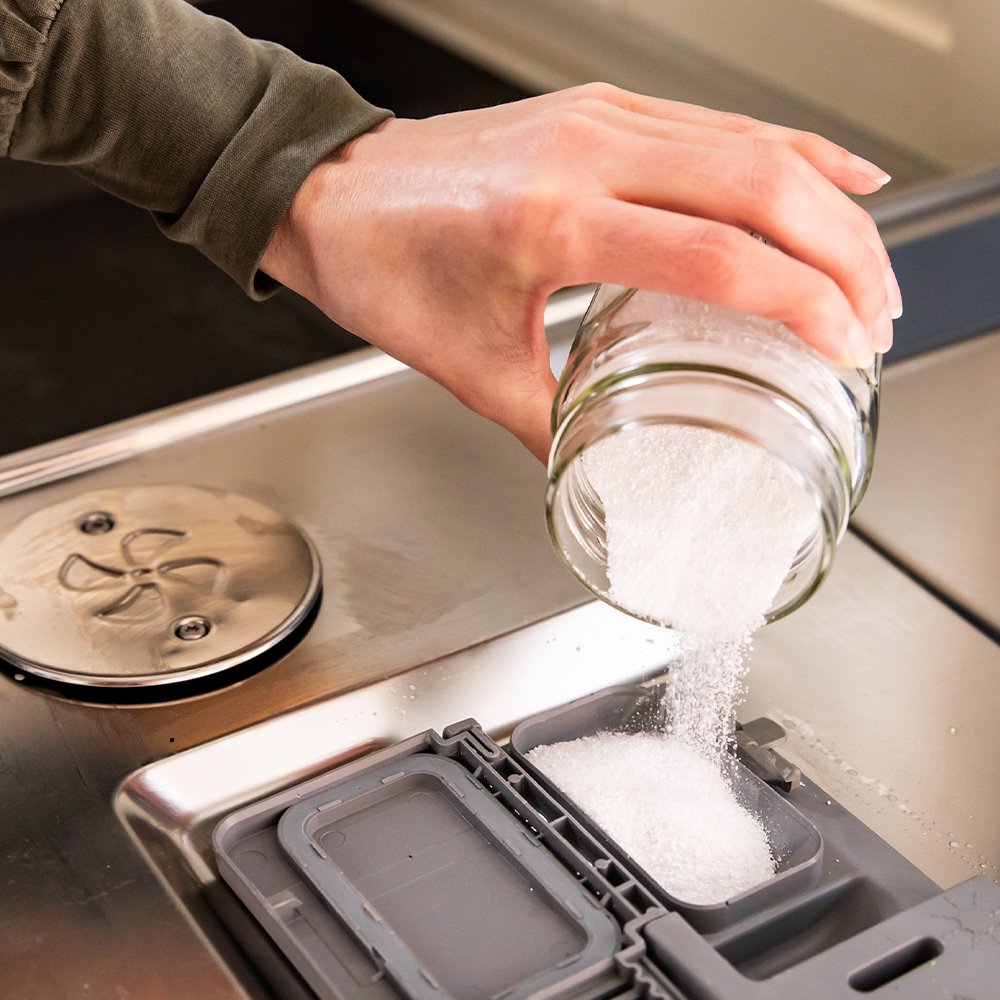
(911, 75)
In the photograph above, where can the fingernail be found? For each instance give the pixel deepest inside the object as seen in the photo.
(895, 296)
(859, 345)
(882, 340)
(869, 170)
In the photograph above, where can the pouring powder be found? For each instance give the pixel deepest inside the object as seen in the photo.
(702, 529)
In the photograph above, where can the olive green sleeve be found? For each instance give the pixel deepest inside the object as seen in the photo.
(175, 111)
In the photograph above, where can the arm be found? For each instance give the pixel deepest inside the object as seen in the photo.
(174, 111)
(439, 240)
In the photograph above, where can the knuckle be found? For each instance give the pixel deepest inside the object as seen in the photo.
(721, 253)
(826, 301)
(815, 147)
(597, 91)
(774, 185)
(537, 218)
(743, 124)
(869, 274)
(864, 226)
(563, 130)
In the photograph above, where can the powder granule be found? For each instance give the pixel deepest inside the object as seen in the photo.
(702, 527)
(668, 806)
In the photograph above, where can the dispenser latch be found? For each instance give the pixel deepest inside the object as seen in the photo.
(753, 747)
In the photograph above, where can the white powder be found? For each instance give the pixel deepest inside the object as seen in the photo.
(668, 806)
(701, 527)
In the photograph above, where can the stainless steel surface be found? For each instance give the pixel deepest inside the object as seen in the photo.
(890, 702)
(934, 499)
(138, 586)
(429, 524)
(108, 445)
(870, 698)
(937, 198)
(105, 446)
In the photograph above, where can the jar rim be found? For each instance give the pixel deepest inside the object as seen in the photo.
(807, 450)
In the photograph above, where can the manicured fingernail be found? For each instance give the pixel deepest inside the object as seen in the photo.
(895, 296)
(869, 170)
(859, 345)
(882, 340)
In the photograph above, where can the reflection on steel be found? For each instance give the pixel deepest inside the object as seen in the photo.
(127, 438)
(116, 442)
(155, 584)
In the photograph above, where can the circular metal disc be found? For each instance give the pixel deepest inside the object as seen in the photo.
(150, 585)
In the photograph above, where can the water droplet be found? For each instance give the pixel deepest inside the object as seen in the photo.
(953, 843)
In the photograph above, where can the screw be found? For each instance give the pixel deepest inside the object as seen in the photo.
(97, 522)
(191, 628)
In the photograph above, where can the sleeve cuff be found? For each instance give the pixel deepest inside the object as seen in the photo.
(306, 112)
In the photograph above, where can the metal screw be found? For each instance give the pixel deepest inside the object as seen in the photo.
(97, 522)
(191, 628)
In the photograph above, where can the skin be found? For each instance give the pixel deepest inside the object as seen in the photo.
(440, 240)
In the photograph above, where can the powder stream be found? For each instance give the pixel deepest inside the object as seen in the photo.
(702, 529)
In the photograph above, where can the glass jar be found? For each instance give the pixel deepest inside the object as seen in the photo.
(645, 358)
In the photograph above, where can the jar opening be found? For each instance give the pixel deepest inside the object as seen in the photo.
(717, 401)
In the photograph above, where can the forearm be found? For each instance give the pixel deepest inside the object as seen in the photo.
(175, 111)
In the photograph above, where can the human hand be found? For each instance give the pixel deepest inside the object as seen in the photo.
(439, 240)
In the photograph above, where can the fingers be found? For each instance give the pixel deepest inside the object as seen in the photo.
(623, 243)
(766, 196)
(845, 169)
(758, 182)
(627, 123)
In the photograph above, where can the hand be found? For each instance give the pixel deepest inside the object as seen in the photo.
(439, 240)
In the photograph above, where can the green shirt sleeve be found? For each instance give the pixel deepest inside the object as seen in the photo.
(175, 111)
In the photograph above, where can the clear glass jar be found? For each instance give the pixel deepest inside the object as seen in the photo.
(648, 358)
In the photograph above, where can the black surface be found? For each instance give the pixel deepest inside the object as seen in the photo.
(951, 287)
(386, 64)
(102, 318)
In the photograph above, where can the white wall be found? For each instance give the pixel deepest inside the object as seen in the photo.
(921, 74)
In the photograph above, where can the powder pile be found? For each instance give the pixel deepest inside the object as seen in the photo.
(668, 806)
